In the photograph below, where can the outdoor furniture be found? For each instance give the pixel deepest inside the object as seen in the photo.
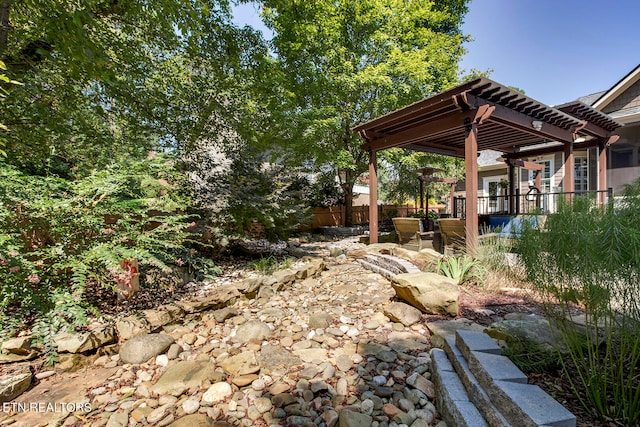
(453, 234)
(453, 231)
(410, 230)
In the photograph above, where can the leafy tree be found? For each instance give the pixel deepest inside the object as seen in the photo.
(399, 180)
(105, 80)
(344, 62)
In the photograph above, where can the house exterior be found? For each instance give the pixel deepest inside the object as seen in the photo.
(622, 103)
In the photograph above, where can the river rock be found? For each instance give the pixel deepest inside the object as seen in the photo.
(195, 420)
(187, 375)
(13, 385)
(143, 347)
(217, 392)
(80, 342)
(252, 331)
(349, 418)
(402, 313)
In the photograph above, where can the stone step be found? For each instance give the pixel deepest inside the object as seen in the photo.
(506, 385)
(387, 265)
(377, 269)
(475, 391)
(452, 399)
(497, 388)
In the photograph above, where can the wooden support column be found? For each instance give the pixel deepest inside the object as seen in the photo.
(602, 166)
(602, 173)
(373, 197)
(471, 185)
(452, 195)
(512, 189)
(421, 179)
(569, 169)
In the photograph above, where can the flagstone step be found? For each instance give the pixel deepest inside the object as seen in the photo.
(492, 383)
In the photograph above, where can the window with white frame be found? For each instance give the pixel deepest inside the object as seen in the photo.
(581, 168)
(547, 175)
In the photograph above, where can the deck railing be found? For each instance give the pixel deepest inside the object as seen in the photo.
(532, 202)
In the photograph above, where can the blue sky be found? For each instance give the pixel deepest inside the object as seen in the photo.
(554, 50)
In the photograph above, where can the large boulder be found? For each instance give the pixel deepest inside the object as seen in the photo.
(141, 348)
(402, 313)
(219, 297)
(19, 345)
(428, 292)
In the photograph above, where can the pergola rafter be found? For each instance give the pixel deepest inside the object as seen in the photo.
(480, 115)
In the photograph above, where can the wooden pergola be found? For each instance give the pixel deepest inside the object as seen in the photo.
(481, 115)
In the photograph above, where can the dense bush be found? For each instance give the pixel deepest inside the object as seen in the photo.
(238, 186)
(58, 237)
(588, 256)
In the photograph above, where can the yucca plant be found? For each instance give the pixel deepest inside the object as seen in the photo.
(460, 268)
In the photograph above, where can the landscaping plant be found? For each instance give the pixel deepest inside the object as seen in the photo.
(459, 268)
(588, 257)
(60, 238)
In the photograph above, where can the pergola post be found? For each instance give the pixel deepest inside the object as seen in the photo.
(569, 169)
(602, 173)
(452, 195)
(512, 189)
(471, 186)
(421, 179)
(373, 197)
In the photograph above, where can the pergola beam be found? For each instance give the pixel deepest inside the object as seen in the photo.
(433, 128)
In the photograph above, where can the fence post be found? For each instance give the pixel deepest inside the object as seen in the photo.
(517, 201)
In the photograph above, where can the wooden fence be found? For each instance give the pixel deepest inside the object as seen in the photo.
(333, 216)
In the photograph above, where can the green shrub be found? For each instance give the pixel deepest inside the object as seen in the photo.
(589, 257)
(267, 265)
(59, 237)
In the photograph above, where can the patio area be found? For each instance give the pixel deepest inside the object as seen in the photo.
(481, 115)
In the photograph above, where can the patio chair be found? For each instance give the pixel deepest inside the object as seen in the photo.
(409, 230)
(454, 234)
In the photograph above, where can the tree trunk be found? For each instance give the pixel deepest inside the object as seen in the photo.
(4, 24)
(347, 188)
(348, 205)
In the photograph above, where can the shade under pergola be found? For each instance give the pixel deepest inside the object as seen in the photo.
(482, 115)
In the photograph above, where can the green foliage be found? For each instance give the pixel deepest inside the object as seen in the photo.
(589, 256)
(460, 268)
(531, 356)
(399, 180)
(105, 81)
(239, 186)
(59, 238)
(267, 265)
(345, 62)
